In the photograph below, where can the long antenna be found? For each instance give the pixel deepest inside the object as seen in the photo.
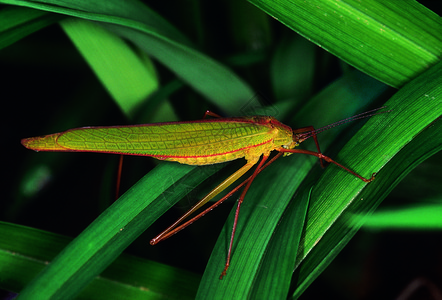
(363, 115)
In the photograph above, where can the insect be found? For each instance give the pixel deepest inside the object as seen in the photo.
(202, 142)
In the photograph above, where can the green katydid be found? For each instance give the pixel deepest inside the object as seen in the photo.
(201, 142)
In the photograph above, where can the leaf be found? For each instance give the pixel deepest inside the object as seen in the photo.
(129, 79)
(372, 149)
(292, 55)
(391, 41)
(268, 232)
(18, 22)
(409, 128)
(26, 251)
(422, 217)
(137, 23)
(112, 232)
(268, 202)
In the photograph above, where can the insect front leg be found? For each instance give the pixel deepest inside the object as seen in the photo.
(312, 130)
(328, 159)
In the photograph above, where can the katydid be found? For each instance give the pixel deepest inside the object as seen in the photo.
(201, 142)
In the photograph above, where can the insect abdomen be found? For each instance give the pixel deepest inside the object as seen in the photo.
(201, 142)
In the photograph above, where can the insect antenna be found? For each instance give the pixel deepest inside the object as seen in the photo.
(370, 113)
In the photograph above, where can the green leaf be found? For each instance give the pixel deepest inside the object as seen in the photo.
(130, 79)
(137, 23)
(292, 55)
(112, 232)
(422, 217)
(18, 22)
(372, 149)
(269, 243)
(281, 255)
(395, 144)
(25, 251)
(392, 41)
(269, 201)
